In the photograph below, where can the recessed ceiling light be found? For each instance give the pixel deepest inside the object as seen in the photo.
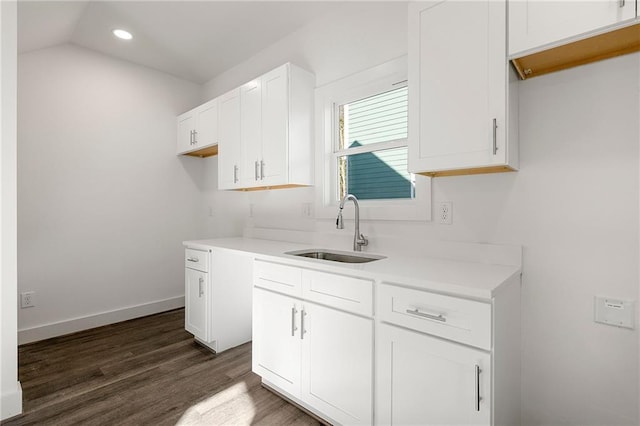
(125, 35)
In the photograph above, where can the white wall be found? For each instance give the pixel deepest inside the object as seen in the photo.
(573, 206)
(103, 202)
(332, 47)
(10, 391)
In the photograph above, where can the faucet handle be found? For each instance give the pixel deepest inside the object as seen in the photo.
(362, 240)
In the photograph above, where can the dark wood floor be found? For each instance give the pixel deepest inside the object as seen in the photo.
(144, 371)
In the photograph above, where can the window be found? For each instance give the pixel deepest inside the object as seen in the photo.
(371, 147)
(362, 134)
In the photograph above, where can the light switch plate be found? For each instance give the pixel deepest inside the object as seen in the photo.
(617, 312)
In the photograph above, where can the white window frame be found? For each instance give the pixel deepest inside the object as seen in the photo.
(367, 83)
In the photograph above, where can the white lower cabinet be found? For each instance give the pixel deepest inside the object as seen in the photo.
(437, 359)
(337, 364)
(196, 294)
(276, 339)
(218, 291)
(429, 381)
(319, 356)
(446, 360)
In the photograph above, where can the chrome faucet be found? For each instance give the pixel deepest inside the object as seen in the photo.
(359, 240)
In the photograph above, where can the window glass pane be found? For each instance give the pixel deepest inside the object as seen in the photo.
(375, 119)
(376, 175)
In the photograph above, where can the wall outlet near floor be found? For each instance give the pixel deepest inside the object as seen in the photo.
(445, 213)
(28, 299)
(617, 312)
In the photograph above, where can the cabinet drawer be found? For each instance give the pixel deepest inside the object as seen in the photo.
(196, 259)
(338, 291)
(453, 318)
(281, 278)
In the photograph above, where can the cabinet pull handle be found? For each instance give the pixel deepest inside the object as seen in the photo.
(191, 137)
(478, 397)
(302, 330)
(438, 317)
(261, 170)
(195, 137)
(293, 321)
(193, 259)
(200, 289)
(255, 169)
(235, 174)
(495, 136)
(621, 3)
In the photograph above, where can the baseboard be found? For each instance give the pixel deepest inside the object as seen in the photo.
(47, 331)
(11, 403)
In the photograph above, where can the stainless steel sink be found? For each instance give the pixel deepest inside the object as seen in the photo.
(336, 256)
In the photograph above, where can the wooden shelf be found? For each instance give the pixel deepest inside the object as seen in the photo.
(204, 152)
(263, 188)
(596, 48)
(474, 171)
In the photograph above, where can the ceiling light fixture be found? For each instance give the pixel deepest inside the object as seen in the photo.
(125, 35)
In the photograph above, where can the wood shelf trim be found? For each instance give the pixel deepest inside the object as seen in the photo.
(263, 188)
(204, 152)
(473, 171)
(614, 43)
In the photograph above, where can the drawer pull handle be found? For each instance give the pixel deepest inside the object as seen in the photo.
(438, 317)
(200, 289)
(193, 259)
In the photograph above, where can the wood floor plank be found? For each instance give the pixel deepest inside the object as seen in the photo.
(144, 371)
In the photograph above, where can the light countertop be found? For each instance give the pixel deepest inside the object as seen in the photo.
(476, 280)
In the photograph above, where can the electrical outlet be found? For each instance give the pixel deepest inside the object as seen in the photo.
(28, 299)
(306, 209)
(445, 213)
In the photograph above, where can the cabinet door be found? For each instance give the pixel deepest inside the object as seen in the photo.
(186, 126)
(276, 339)
(207, 125)
(424, 380)
(535, 23)
(337, 364)
(229, 150)
(275, 117)
(196, 307)
(458, 75)
(251, 132)
(231, 290)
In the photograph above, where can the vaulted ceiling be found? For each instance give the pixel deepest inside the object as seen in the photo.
(194, 40)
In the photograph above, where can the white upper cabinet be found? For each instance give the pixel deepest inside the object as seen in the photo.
(459, 91)
(251, 132)
(275, 128)
(534, 24)
(230, 154)
(275, 113)
(186, 126)
(198, 130)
